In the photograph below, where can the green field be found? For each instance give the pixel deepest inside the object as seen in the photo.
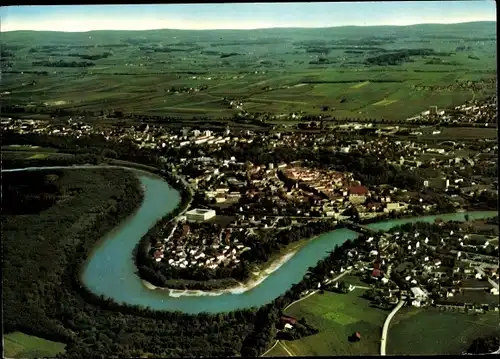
(270, 71)
(14, 154)
(28, 148)
(429, 331)
(38, 156)
(19, 345)
(337, 316)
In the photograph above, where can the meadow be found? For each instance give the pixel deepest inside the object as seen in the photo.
(19, 345)
(333, 71)
(416, 331)
(31, 153)
(338, 316)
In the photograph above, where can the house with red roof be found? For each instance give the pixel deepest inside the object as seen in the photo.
(355, 337)
(158, 255)
(285, 319)
(358, 194)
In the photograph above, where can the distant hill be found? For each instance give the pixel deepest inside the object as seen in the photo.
(461, 30)
(390, 72)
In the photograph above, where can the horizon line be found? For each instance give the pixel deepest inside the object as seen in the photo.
(258, 28)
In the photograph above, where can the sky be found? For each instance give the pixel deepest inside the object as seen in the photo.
(79, 18)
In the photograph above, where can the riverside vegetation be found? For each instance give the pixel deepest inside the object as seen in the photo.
(60, 308)
(94, 149)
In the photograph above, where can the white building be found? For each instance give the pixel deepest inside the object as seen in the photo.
(418, 294)
(198, 214)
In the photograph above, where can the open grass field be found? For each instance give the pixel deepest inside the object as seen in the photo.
(33, 154)
(19, 345)
(28, 148)
(337, 316)
(428, 331)
(38, 156)
(272, 71)
(466, 133)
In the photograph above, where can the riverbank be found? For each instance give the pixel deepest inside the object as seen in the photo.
(257, 279)
(214, 287)
(48, 245)
(259, 273)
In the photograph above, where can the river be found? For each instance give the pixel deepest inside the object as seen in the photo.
(111, 271)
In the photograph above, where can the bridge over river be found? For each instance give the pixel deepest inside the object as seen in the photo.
(356, 227)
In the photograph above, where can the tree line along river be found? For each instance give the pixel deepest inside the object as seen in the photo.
(111, 271)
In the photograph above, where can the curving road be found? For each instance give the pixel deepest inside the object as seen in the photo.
(383, 340)
(298, 300)
(268, 350)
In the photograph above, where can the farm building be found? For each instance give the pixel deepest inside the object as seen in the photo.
(285, 319)
(355, 337)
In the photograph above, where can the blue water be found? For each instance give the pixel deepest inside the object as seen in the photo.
(111, 271)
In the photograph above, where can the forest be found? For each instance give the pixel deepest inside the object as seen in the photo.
(400, 56)
(50, 222)
(98, 327)
(61, 63)
(56, 306)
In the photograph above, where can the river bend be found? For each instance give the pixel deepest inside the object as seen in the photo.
(111, 271)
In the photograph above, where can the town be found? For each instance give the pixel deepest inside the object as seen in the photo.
(236, 199)
(199, 181)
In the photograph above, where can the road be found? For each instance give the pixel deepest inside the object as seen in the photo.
(383, 340)
(286, 349)
(282, 345)
(389, 270)
(267, 351)
(497, 352)
(298, 300)
(317, 290)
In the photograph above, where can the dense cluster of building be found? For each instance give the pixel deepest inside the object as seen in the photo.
(407, 265)
(198, 247)
(260, 196)
(477, 112)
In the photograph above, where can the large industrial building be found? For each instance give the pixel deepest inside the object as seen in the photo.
(200, 215)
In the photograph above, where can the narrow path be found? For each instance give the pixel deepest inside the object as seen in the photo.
(298, 300)
(383, 340)
(389, 270)
(286, 349)
(316, 291)
(267, 351)
(361, 287)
